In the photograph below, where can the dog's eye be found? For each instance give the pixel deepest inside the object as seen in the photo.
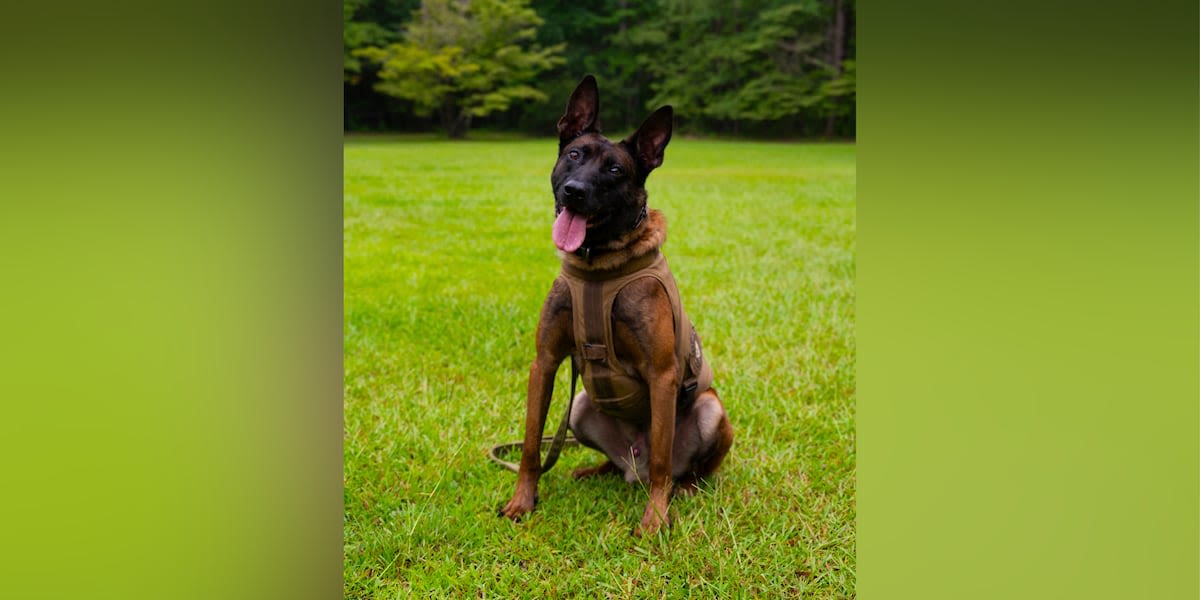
(615, 169)
(574, 154)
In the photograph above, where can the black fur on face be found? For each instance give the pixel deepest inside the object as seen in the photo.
(599, 179)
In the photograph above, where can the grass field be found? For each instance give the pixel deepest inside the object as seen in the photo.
(447, 260)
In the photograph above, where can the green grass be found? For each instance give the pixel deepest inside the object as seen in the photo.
(447, 260)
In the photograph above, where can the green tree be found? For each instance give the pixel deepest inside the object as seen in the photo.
(355, 35)
(367, 23)
(598, 36)
(763, 61)
(460, 59)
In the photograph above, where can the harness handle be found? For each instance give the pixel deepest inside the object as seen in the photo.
(557, 441)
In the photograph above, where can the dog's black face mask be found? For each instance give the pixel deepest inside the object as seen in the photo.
(599, 185)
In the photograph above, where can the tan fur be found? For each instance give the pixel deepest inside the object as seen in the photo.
(648, 237)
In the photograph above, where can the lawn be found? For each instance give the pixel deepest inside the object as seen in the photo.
(447, 260)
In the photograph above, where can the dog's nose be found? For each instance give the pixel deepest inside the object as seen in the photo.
(573, 190)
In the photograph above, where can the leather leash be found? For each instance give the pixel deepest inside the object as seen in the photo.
(557, 441)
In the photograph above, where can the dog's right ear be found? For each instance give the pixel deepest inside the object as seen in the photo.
(582, 109)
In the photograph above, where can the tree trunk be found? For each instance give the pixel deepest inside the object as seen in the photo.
(455, 119)
(837, 53)
(458, 126)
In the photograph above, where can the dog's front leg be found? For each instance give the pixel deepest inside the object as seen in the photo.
(541, 386)
(554, 343)
(662, 439)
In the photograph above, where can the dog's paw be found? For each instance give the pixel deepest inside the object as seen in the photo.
(646, 530)
(518, 507)
(653, 521)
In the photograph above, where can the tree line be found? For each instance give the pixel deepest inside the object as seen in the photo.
(765, 68)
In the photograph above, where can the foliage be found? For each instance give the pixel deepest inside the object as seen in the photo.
(599, 38)
(766, 67)
(447, 261)
(465, 59)
(367, 23)
(355, 35)
(838, 94)
(756, 60)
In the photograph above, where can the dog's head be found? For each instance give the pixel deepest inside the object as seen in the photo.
(599, 185)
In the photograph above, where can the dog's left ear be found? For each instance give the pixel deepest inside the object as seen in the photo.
(650, 140)
(581, 114)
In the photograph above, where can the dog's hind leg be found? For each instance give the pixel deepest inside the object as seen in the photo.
(703, 437)
(625, 447)
(607, 467)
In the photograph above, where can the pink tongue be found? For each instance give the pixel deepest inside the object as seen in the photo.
(569, 231)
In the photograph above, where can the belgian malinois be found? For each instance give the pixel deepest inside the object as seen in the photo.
(648, 403)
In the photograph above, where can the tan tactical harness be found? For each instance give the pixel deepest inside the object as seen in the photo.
(615, 387)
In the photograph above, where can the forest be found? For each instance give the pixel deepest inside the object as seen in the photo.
(774, 69)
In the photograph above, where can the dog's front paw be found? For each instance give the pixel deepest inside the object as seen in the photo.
(653, 520)
(519, 506)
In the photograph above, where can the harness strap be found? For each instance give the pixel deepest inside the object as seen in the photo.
(594, 346)
(633, 266)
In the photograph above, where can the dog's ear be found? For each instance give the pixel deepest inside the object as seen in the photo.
(582, 109)
(650, 140)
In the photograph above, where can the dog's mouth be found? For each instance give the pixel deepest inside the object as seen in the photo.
(569, 230)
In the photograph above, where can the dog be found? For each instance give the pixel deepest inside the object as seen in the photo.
(648, 404)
